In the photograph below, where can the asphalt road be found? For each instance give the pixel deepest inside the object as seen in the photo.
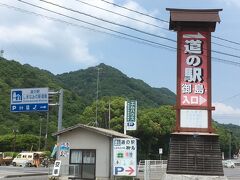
(27, 178)
(10, 171)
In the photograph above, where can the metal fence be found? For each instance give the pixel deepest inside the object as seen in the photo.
(151, 169)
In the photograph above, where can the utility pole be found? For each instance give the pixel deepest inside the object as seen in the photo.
(60, 110)
(109, 114)
(46, 133)
(15, 131)
(230, 145)
(40, 134)
(96, 118)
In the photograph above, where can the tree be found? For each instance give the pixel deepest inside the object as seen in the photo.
(22, 142)
(154, 128)
(116, 113)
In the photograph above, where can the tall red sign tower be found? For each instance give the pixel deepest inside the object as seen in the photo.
(189, 151)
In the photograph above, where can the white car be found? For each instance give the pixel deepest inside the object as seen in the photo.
(228, 164)
(23, 159)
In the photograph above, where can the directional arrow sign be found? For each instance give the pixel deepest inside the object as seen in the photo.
(130, 170)
(198, 36)
(202, 100)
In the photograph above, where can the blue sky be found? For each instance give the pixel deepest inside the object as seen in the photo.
(60, 47)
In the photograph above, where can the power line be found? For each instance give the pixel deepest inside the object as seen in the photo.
(138, 12)
(226, 54)
(122, 15)
(107, 21)
(234, 63)
(231, 97)
(223, 39)
(134, 38)
(144, 22)
(121, 25)
(225, 46)
(162, 20)
(128, 37)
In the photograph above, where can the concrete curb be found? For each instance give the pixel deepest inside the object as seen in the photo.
(22, 175)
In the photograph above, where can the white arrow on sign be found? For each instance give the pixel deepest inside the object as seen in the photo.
(198, 35)
(202, 100)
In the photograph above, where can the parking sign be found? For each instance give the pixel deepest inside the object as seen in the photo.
(124, 157)
(29, 99)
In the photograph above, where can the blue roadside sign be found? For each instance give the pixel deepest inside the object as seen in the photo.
(29, 100)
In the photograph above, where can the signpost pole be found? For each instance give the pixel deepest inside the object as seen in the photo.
(125, 117)
(60, 109)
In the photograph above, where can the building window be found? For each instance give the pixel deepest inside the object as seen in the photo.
(82, 163)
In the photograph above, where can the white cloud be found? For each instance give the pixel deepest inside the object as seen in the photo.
(224, 109)
(80, 54)
(24, 34)
(231, 2)
(226, 114)
(57, 42)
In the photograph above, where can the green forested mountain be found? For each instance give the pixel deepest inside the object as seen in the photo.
(112, 82)
(79, 89)
(155, 120)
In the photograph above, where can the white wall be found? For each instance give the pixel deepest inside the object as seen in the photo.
(83, 139)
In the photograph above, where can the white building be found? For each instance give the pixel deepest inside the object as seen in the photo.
(86, 152)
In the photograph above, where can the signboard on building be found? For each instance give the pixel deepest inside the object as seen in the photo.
(124, 157)
(130, 115)
(29, 99)
(64, 149)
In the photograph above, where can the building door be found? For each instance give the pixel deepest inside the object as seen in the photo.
(83, 163)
